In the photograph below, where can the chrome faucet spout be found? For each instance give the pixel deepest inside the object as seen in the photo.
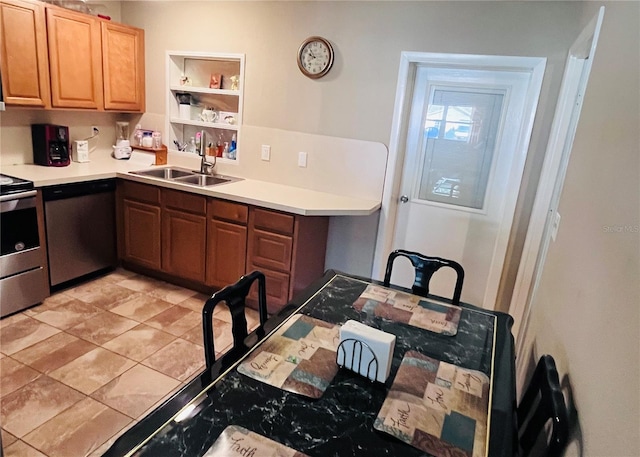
(206, 167)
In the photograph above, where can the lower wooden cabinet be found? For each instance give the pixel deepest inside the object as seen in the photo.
(226, 242)
(184, 234)
(211, 242)
(139, 224)
(289, 250)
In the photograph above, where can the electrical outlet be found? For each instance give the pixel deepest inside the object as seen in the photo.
(302, 159)
(95, 130)
(266, 152)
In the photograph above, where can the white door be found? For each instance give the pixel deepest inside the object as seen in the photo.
(466, 141)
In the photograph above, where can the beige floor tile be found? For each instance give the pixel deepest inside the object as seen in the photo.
(136, 390)
(7, 438)
(104, 294)
(103, 327)
(54, 352)
(179, 359)
(139, 342)
(92, 370)
(14, 375)
(171, 293)
(32, 405)
(140, 283)
(194, 303)
(222, 312)
(21, 449)
(176, 320)
(24, 333)
(68, 314)
(7, 321)
(141, 308)
(194, 336)
(119, 274)
(49, 303)
(77, 431)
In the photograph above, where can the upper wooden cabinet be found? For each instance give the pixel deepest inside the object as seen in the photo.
(59, 58)
(123, 67)
(24, 61)
(75, 59)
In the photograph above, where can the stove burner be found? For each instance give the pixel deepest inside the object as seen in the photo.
(11, 184)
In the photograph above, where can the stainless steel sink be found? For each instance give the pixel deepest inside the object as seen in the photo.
(185, 176)
(164, 173)
(203, 180)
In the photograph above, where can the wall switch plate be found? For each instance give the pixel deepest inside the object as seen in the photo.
(554, 227)
(302, 159)
(266, 152)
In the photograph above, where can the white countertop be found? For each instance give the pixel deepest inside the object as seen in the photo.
(259, 193)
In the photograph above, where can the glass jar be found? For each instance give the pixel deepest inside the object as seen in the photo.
(156, 140)
(147, 139)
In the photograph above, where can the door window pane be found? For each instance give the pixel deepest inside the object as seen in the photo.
(459, 138)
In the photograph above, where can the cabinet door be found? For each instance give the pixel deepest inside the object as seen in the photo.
(277, 289)
(24, 61)
(123, 67)
(184, 244)
(226, 252)
(141, 233)
(75, 59)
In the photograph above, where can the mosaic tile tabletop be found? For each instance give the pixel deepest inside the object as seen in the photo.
(300, 357)
(238, 441)
(409, 309)
(437, 407)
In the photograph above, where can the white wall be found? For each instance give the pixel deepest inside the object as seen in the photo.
(585, 312)
(355, 100)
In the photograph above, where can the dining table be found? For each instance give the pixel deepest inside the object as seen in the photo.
(317, 407)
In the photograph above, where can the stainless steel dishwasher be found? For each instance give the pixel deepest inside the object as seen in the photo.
(81, 229)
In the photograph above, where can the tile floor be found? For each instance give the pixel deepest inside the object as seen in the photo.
(81, 368)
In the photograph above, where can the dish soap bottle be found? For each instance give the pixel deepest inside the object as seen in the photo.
(232, 147)
(192, 145)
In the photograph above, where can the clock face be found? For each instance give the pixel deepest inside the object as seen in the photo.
(315, 57)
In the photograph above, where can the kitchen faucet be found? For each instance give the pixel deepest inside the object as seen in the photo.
(206, 168)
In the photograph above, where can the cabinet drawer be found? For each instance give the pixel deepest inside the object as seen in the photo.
(273, 221)
(183, 201)
(277, 290)
(139, 192)
(228, 211)
(270, 250)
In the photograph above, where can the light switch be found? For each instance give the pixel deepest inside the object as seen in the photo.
(266, 152)
(302, 159)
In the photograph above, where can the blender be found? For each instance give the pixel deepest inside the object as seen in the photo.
(122, 149)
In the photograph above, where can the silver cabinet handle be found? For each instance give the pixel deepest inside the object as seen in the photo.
(404, 199)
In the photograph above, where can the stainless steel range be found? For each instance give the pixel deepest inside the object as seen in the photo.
(23, 281)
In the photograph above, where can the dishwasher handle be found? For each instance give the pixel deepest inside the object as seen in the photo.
(63, 191)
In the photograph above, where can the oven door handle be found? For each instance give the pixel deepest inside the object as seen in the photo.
(18, 195)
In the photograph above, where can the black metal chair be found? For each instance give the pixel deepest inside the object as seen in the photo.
(543, 403)
(425, 268)
(234, 296)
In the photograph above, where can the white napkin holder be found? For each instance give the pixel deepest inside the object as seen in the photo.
(365, 350)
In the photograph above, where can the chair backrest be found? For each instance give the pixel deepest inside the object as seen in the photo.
(234, 296)
(425, 267)
(543, 403)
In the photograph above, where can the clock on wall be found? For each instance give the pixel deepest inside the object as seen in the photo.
(315, 57)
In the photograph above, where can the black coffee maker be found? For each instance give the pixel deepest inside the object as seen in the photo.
(50, 145)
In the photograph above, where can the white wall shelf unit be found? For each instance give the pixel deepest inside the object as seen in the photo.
(213, 82)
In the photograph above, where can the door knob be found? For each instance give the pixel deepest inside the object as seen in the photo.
(404, 199)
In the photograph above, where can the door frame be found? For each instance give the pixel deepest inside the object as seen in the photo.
(409, 61)
(544, 219)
